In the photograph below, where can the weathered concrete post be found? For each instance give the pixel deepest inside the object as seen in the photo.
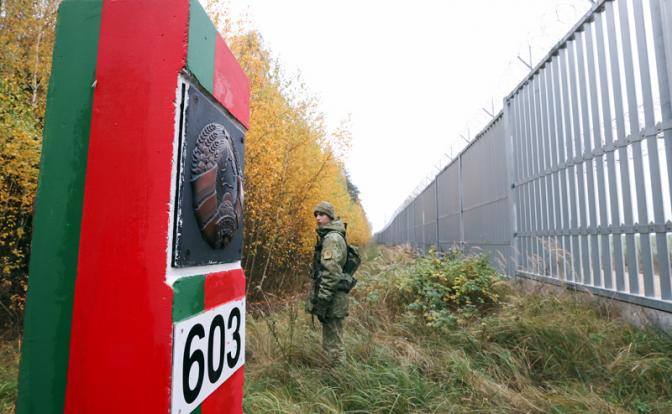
(136, 299)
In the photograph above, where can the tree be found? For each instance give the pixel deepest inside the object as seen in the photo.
(27, 35)
(352, 188)
(292, 164)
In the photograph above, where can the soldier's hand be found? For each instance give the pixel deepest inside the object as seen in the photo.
(321, 314)
(321, 309)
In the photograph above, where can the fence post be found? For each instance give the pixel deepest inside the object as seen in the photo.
(436, 201)
(460, 195)
(509, 159)
(666, 19)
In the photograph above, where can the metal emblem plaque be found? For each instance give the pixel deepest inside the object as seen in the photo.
(208, 226)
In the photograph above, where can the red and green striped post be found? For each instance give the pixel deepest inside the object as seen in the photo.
(102, 314)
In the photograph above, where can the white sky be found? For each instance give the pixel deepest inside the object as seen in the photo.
(413, 75)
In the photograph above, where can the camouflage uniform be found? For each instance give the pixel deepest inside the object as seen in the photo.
(328, 301)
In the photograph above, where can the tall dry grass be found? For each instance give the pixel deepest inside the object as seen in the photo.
(533, 353)
(9, 371)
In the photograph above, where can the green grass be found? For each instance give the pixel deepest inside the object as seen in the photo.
(9, 371)
(531, 354)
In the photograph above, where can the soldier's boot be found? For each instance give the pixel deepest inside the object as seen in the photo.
(332, 341)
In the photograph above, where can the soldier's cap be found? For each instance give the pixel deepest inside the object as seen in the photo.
(325, 207)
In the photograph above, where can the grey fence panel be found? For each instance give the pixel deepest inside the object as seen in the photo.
(449, 207)
(416, 211)
(661, 29)
(515, 114)
(630, 258)
(428, 207)
(524, 226)
(554, 223)
(581, 256)
(601, 87)
(662, 12)
(546, 179)
(409, 225)
(403, 228)
(636, 146)
(650, 134)
(592, 264)
(540, 139)
(535, 195)
(563, 250)
(487, 225)
(410, 213)
(602, 256)
(528, 189)
(419, 224)
(572, 182)
(570, 172)
(614, 212)
(396, 236)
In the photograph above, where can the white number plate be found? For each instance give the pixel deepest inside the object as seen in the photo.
(207, 349)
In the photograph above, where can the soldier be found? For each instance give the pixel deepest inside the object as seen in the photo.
(328, 296)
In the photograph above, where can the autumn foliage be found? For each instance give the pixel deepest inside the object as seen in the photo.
(26, 39)
(292, 160)
(292, 163)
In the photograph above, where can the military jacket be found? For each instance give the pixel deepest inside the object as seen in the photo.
(330, 256)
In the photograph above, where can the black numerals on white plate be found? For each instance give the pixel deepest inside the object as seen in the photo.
(208, 348)
(217, 353)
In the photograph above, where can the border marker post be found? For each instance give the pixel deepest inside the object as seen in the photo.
(136, 298)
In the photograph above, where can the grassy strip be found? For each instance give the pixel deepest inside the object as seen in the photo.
(532, 353)
(9, 372)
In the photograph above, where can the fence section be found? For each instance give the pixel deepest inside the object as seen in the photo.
(591, 138)
(449, 206)
(571, 183)
(464, 206)
(485, 196)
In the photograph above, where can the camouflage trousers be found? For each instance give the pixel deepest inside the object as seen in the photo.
(332, 340)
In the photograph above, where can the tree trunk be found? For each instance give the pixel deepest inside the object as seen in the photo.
(33, 101)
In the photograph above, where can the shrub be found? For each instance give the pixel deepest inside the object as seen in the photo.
(439, 287)
(444, 286)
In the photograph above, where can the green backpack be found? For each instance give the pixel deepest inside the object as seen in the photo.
(351, 265)
(353, 261)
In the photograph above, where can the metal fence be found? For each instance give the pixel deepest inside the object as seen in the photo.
(466, 206)
(571, 182)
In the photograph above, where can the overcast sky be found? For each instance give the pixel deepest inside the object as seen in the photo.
(414, 76)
